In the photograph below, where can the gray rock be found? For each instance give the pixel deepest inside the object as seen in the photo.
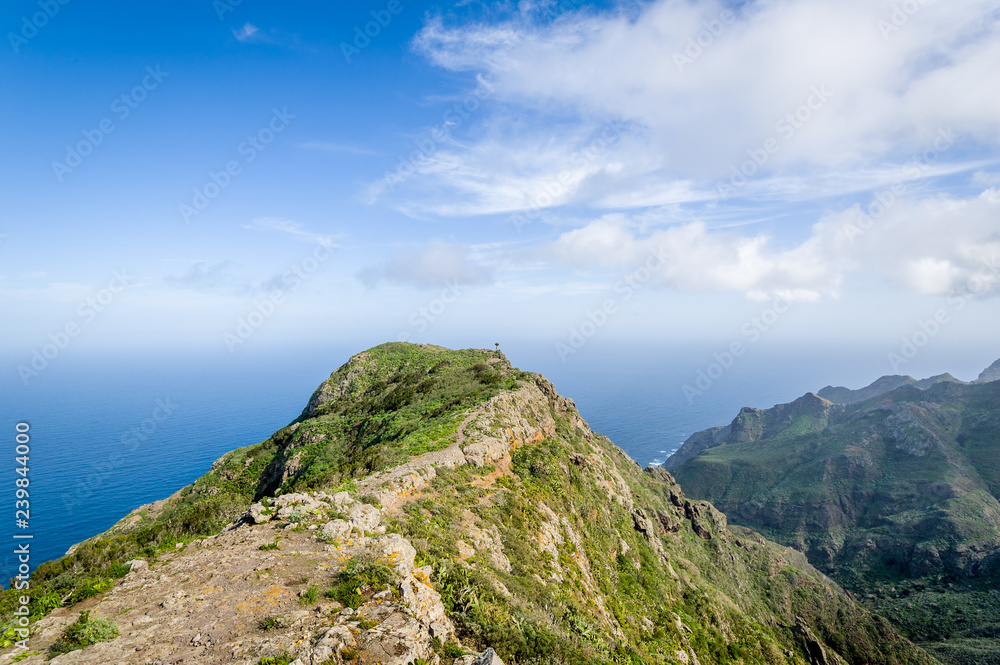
(336, 530)
(365, 517)
(137, 565)
(488, 657)
(258, 514)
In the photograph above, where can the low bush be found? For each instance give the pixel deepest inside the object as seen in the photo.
(84, 632)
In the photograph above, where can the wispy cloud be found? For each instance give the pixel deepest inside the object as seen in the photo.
(246, 33)
(835, 120)
(292, 228)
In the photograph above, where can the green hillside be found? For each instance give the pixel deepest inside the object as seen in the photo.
(544, 540)
(895, 496)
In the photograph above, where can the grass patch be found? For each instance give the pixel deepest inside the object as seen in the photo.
(283, 658)
(310, 596)
(266, 547)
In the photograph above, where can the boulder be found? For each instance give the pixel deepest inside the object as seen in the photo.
(365, 517)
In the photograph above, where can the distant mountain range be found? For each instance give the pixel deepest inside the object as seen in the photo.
(892, 489)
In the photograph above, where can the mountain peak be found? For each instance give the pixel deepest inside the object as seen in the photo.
(881, 386)
(431, 502)
(991, 373)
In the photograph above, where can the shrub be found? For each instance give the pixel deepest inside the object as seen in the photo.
(360, 578)
(272, 622)
(91, 587)
(84, 632)
(118, 570)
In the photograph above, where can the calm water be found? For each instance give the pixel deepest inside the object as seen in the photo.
(110, 436)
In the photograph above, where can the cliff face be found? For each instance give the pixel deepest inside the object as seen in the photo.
(897, 496)
(431, 506)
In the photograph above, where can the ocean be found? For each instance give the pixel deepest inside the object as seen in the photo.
(108, 435)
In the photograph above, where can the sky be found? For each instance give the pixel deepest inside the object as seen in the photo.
(234, 178)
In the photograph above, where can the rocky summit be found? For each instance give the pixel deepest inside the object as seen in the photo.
(894, 490)
(439, 506)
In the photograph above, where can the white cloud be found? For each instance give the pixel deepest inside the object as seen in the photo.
(878, 95)
(695, 259)
(433, 265)
(935, 246)
(938, 246)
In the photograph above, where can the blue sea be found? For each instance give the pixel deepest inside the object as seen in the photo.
(111, 434)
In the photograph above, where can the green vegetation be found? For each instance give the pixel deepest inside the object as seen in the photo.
(896, 496)
(311, 595)
(401, 400)
(558, 618)
(283, 658)
(272, 622)
(83, 632)
(360, 579)
(580, 556)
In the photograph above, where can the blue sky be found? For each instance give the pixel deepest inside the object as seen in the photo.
(547, 172)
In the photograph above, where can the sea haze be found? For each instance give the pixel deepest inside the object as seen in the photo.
(97, 452)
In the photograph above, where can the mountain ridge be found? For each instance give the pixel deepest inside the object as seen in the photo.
(893, 490)
(449, 504)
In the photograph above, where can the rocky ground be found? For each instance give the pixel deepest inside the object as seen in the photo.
(233, 598)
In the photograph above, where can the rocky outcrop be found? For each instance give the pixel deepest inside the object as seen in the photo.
(491, 432)
(242, 595)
